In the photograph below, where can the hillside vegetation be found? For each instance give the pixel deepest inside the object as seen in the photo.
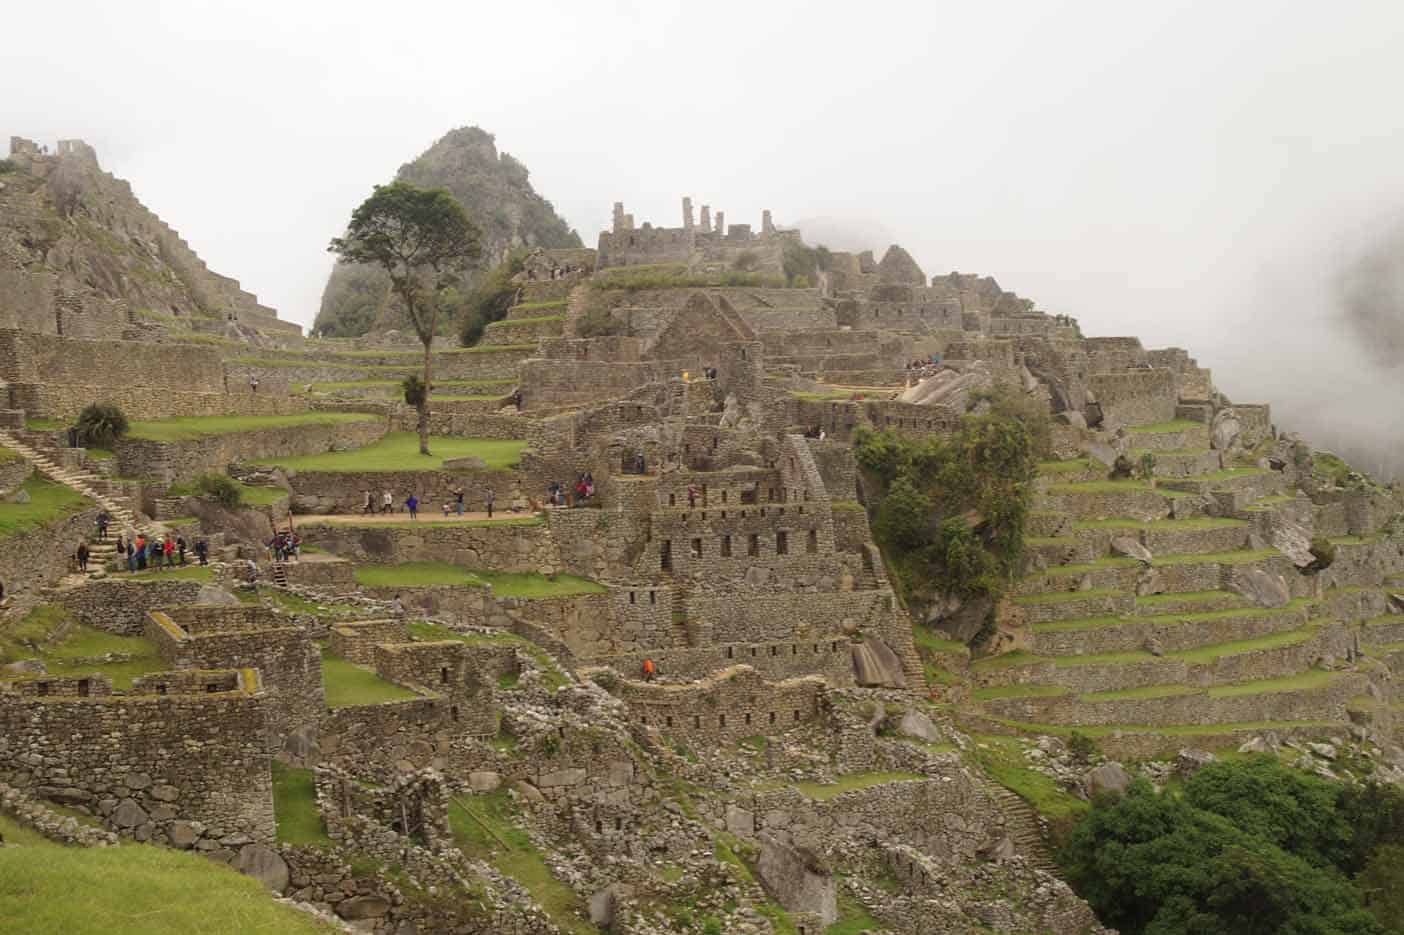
(494, 190)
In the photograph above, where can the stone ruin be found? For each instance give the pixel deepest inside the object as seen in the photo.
(727, 544)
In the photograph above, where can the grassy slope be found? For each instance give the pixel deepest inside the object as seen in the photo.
(136, 889)
(37, 629)
(48, 501)
(345, 683)
(504, 584)
(182, 429)
(399, 451)
(295, 806)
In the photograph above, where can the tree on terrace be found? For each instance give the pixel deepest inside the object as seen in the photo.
(420, 237)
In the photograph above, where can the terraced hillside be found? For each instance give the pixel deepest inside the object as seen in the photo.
(1158, 608)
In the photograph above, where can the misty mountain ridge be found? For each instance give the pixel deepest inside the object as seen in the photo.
(494, 189)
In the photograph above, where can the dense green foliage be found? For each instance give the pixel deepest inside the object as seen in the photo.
(414, 389)
(1323, 555)
(1247, 847)
(802, 264)
(491, 298)
(101, 424)
(495, 191)
(950, 515)
(220, 488)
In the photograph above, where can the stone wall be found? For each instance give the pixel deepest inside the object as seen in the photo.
(289, 664)
(177, 769)
(171, 461)
(345, 492)
(356, 640)
(13, 473)
(445, 666)
(502, 547)
(120, 604)
(1135, 397)
(726, 707)
(38, 558)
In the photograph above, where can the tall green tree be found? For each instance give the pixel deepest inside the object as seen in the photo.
(420, 237)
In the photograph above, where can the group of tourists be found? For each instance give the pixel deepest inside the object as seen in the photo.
(158, 552)
(285, 546)
(558, 494)
(816, 432)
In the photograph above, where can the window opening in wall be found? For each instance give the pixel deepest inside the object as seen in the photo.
(618, 824)
(83, 688)
(161, 689)
(748, 719)
(599, 826)
(762, 511)
(794, 649)
(782, 543)
(631, 597)
(797, 715)
(726, 546)
(211, 688)
(665, 558)
(782, 511)
(721, 720)
(696, 721)
(669, 719)
(772, 717)
(811, 542)
(753, 547)
(696, 548)
(41, 688)
(653, 597)
(775, 650)
(453, 712)
(753, 650)
(723, 496)
(833, 647)
(867, 561)
(443, 675)
(672, 499)
(771, 494)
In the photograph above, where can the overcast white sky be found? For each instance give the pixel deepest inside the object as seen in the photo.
(1191, 172)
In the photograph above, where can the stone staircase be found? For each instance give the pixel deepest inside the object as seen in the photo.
(1022, 823)
(94, 488)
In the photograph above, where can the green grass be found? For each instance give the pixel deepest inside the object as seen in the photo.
(344, 683)
(846, 506)
(1226, 558)
(1101, 564)
(48, 633)
(44, 425)
(7, 455)
(1171, 730)
(260, 496)
(1152, 600)
(822, 792)
(1086, 623)
(48, 501)
(1096, 659)
(1101, 486)
(394, 386)
(1213, 652)
(1225, 474)
(295, 809)
(1302, 681)
(926, 638)
(1174, 425)
(399, 451)
(1144, 692)
(1064, 467)
(544, 303)
(136, 889)
(192, 427)
(485, 828)
(1002, 759)
(504, 584)
(1198, 522)
(854, 918)
(994, 692)
(1066, 597)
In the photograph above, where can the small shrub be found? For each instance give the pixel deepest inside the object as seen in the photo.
(1323, 553)
(747, 261)
(1145, 468)
(1122, 468)
(101, 424)
(1082, 747)
(415, 390)
(8, 165)
(221, 489)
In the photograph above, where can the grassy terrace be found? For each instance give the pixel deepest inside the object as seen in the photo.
(48, 502)
(344, 683)
(1066, 597)
(1200, 655)
(1198, 522)
(531, 320)
(399, 451)
(485, 828)
(1174, 425)
(191, 572)
(136, 889)
(393, 387)
(1300, 681)
(295, 807)
(1064, 467)
(504, 584)
(1169, 730)
(822, 792)
(192, 427)
(49, 634)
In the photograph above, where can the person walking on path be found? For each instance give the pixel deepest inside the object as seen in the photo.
(412, 504)
(369, 505)
(180, 548)
(387, 502)
(458, 500)
(489, 496)
(83, 556)
(691, 496)
(202, 551)
(648, 670)
(398, 606)
(102, 521)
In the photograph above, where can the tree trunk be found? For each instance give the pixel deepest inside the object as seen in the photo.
(427, 336)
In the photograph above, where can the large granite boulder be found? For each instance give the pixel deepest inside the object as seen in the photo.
(1125, 545)
(875, 665)
(1108, 778)
(798, 880)
(1261, 587)
(1225, 430)
(1292, 540)
(264, 864)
